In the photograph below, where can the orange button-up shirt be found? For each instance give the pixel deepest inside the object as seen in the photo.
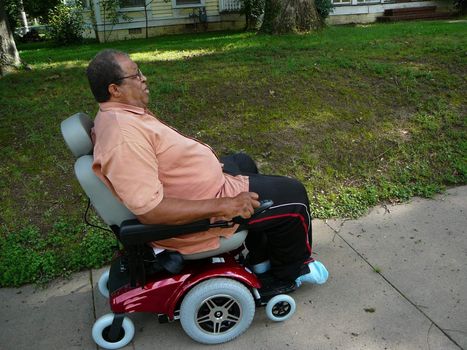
(142, 160)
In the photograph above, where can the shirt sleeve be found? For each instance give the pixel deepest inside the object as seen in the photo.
(132, 169)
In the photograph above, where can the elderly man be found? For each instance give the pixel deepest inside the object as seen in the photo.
(165, 177)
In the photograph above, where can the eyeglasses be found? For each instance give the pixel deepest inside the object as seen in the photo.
(138, 75)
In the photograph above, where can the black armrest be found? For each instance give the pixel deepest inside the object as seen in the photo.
(132, 232)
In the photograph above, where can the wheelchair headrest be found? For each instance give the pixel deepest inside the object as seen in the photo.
(76, 131)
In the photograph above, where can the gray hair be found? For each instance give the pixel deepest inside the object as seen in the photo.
(102, 71)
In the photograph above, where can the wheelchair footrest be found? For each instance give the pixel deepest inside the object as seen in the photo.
(270, 287)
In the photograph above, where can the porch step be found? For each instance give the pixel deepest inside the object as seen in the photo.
(412, 13)
(409, 11)
(411, 17)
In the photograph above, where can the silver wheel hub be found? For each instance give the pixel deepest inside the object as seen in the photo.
(218, 314)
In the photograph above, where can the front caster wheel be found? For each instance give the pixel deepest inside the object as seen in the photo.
(101, 328)
(217, 311)
(280, 308)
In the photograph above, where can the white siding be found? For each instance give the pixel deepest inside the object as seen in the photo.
(229, 5)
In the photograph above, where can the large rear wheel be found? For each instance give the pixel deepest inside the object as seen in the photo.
(217, 311)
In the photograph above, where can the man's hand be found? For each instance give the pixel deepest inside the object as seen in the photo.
(243, 205)
(172, 211)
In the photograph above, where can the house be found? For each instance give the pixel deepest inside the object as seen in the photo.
(138, 18)
(160, 17)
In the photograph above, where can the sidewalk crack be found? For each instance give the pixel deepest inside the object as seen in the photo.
(428, 335)
(455, 330)
(336, 231)
(92, 295)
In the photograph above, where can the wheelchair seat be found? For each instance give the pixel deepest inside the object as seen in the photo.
(76, 131)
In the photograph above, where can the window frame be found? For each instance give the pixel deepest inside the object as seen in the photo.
(201, 3)
(133, 8)
(342, 3)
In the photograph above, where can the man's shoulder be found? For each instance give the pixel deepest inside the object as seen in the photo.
(117, 127)
(118, 118)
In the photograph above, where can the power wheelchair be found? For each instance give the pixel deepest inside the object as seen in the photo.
(213, 294)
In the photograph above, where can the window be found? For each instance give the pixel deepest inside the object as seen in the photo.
(85, 3)
(341, 2)
(135, 31)
(132, 3)
(187, 3)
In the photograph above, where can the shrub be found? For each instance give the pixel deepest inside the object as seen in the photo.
(31, 36)
(461, 6)
(253, 10)
(28, 256)
(325, 7)
(65, 24)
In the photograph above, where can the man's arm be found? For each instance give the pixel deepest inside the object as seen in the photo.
(173, 211)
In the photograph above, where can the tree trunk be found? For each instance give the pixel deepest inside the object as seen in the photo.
(9, 57)
(146, 17)
(24, 19)
(288, 16)
(94, 19)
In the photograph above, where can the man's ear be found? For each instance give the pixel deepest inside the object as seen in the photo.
(114, 90)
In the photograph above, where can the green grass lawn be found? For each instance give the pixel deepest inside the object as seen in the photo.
(361, 114)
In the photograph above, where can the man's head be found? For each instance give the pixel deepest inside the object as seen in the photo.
(114, 77)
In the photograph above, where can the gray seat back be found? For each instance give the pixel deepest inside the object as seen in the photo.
(76, 131)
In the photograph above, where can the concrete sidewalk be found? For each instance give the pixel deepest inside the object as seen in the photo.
(416, 299)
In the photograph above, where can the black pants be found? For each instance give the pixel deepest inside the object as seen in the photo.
(282, 233)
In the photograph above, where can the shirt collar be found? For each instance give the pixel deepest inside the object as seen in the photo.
(105, 106)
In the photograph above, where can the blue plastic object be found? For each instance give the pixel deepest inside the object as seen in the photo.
(317, 275)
